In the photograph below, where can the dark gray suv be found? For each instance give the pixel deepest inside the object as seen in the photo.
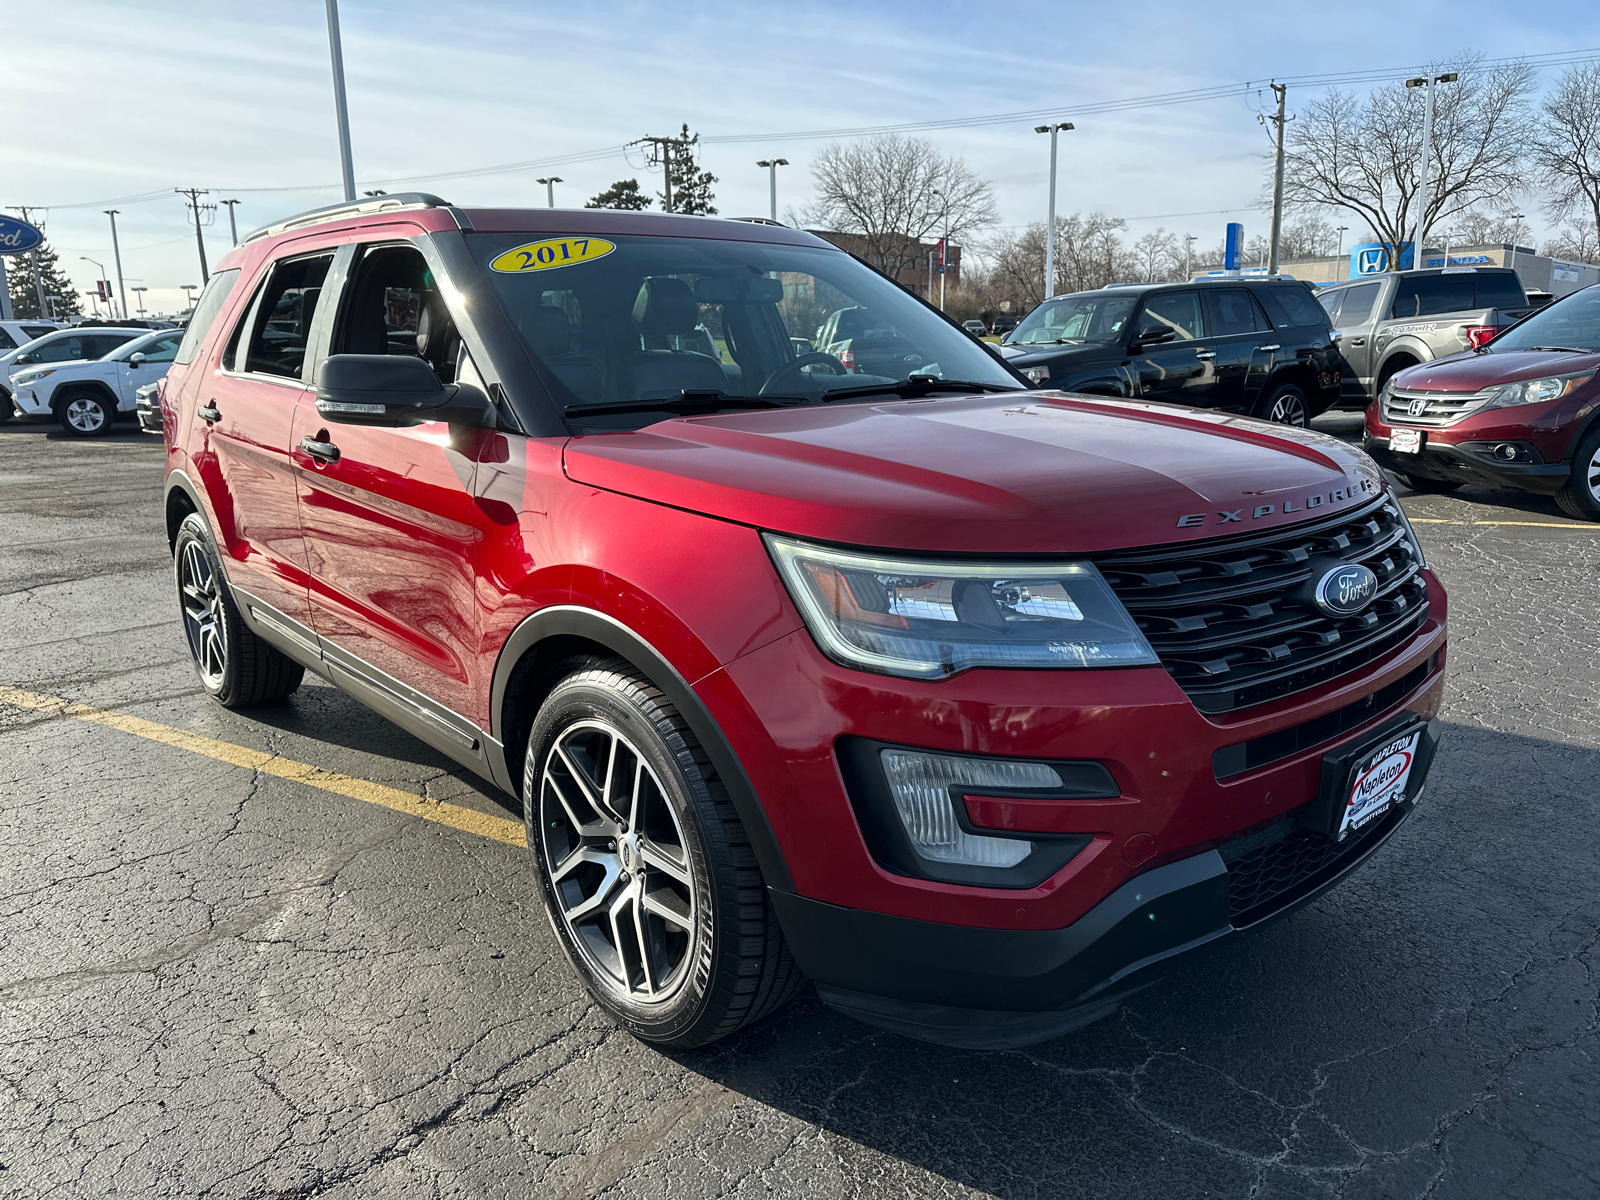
(1262, 347)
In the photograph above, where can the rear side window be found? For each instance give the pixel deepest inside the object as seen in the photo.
(1232, 312)
(1297, 306)
(282, 316)
(59, 350)
(7, 342)
(38, 331)
(1498, 291)
(205, 313)
(1431, 295)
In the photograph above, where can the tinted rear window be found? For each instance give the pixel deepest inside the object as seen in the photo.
(1293, 305)
(6, 341)
(1499, 291)
(1431, 295)
(38, 331)
(205, 313)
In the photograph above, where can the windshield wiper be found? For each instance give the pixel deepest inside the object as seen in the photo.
(1562, 349)
(688, 402)
(917, 385)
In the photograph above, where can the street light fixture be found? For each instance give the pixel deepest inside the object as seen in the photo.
(138, 297)
(944, 245)
(1423, 198)
(1050, 229)
(550, 182)
(100, 267)
(1512, 258)
(1189, 240)
(772, 165)
(188, 297)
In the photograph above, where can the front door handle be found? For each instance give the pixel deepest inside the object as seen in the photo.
(210, 414)
(1358, 341)
(321, 451)
(1269, 349)
(1206, 354)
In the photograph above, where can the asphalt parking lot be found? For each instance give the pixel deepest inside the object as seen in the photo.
(225, 974)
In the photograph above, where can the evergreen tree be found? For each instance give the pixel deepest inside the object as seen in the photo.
(691, 187)
(624, 194)
(25, 298)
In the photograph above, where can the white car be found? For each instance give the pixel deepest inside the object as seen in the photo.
(59, 345)
(15, 334)
(86, 396)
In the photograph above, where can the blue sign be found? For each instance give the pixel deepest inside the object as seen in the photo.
(1233, 247)
(18, 237)
(1372, 258)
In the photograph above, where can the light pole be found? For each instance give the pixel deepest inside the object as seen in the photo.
(1339, 253)
(233, 225)
(1188, 256)
(1423, 199)
(100, 267)
(944, 246)
(550, 182)
(188, 296)
(138, 297)
(1513, 256)
(341, 110)
(772, 165)
(116, 255)
(1050, 229)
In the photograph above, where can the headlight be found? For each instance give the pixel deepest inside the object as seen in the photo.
(1537, 391)
(1037, 375)
(28, 377)
(930, 619)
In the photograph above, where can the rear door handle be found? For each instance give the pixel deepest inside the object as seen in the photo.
(1205, 354)
(210, 414)
(1269, 349)
(323, 451)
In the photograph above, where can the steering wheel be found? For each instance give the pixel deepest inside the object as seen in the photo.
(795, 365)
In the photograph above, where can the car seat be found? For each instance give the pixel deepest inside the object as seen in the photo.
(666, 306)
(550, 335)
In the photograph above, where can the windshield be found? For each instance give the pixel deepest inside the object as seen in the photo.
(1091, 317)
(623, 320)
(1571, 323)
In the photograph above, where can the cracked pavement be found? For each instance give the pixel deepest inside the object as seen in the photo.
(216, 982)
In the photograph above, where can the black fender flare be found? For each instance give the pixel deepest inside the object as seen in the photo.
(65, 391)
(566, 621)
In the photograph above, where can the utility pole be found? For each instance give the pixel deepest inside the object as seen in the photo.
(1050, 226)
(1423, 197)
(663, 146)
(116, 255)
(233, 225)
(944, 246)
(772, 165)
(550, 188)
(340, 108)
(1282, 89)
(33, 258)
(194, 195)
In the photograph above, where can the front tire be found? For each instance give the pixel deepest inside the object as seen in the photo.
(85, 414)
(235, 667)
(1579, 497)
(647, 872)
(1285, 405)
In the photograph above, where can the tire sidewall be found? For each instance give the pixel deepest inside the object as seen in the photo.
(610, 696)
(1575, 497)
(1277, 393)
(193, 529)
(66, 401)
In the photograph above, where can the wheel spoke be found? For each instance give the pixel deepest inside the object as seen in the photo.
(646, 967)
(579, 856)
(665, 859)
(666, 904)
(597, 901)
(583, 827)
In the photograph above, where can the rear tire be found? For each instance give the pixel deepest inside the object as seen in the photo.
(1579, 497)
(85, 414)
(1285, 405)
(1418, 484)
(648, 875)
(235, 667)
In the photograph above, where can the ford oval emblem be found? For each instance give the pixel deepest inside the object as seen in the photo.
(1346, 590)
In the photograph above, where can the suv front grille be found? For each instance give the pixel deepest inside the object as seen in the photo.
(1232, 619)
(1438, 409)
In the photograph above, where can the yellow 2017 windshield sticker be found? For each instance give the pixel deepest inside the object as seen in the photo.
(552, 253)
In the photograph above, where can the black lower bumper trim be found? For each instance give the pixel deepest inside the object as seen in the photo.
(1441, 461)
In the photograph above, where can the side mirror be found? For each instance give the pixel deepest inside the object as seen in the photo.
(23, 360)
(1153, 335)
(136, 359)
(393, 390)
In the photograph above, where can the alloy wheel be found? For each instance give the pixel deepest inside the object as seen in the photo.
(1591, 475)
(617, 863)
(86, 416)
(1289, 409)
(203, 617)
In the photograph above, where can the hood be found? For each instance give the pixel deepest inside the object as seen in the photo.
(1015, 353)
(1471, 372)
(1039, 473)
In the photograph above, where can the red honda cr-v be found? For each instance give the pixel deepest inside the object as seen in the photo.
(976, 706)
(1521, 411)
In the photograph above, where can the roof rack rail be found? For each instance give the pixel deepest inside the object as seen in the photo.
(761, 221)
(331, 212)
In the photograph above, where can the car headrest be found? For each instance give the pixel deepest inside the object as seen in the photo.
(546, 329)
(665, 305)
(749, 289)
(435, 330)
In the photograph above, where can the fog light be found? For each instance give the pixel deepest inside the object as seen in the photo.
(925, 789)
(1507, 451)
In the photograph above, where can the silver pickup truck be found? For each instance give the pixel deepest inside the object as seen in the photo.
(1388, 322)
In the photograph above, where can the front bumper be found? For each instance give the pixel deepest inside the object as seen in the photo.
(1467, 463)
(149, 414)
(1002, 988)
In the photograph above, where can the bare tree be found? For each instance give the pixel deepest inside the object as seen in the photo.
(1566, 150)
(1476, 228)
(1157, 256)
(1577, 243)
(1364, 156)
(1309, 236)
(1090, 253)
(895, 192)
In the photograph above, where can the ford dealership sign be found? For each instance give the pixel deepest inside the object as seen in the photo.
(18, 237)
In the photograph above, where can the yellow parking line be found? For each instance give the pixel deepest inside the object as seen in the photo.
(456, 817)
(1527, 524)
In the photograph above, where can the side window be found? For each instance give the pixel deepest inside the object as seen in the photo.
(1299, 305)
(1232, 311)
(205, 313)
(37, 331)
(162, 350)
(393, 305)
(1177, 311)
(1330, 302)
(7, 342)
(104, 344)
(276, 342)
(1358, 302)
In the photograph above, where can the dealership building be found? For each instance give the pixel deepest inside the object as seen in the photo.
(1538, 273)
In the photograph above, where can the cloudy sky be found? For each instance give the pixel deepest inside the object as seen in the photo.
(114, 104)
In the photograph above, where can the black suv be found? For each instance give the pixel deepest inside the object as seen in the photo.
(1258, 346)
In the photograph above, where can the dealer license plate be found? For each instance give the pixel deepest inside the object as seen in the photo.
(1405, 441)
(1378, 782)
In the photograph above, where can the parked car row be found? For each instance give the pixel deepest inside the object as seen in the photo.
(84, 377)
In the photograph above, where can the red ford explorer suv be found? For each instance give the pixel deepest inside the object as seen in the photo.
(1521, 411)
(973, 705)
